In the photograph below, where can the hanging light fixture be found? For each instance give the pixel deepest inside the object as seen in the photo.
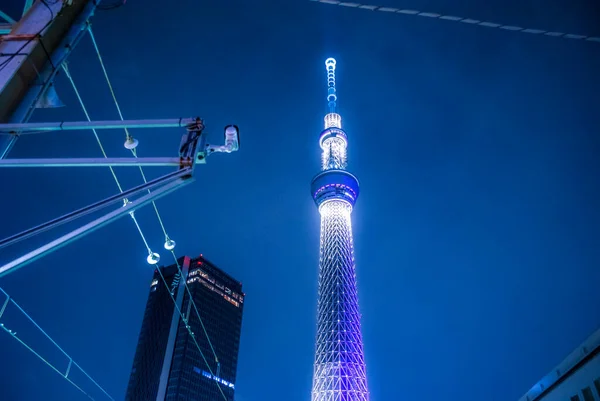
(153, 258)
(131, 143)
(169, 244)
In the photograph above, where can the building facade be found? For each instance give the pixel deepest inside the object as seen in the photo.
(174, 359)
(576, 378)
(339, 368)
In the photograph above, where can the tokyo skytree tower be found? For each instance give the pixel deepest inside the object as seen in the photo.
(339, 371)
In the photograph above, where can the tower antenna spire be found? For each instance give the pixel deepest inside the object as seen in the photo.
(331, 94)
(339, 369)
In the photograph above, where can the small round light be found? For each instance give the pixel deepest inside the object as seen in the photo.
(153, 258)
(131, 143)
(169, 244)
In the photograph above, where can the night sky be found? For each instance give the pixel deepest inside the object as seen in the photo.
(477, 227)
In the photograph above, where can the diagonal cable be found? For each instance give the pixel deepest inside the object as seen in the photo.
(112, 170)
(141, 232)
(134, 152)
(147, 246)
(185, 321)
(127, 134)
(460, 19)
(65, 374)
(187, 288)
(125, 201)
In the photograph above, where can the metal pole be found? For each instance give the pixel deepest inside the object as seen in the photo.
(97, 162)
(91, 208)
(24, 79)
(92, 226)
(22, 128)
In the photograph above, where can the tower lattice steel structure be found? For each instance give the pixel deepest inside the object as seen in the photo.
(339, 371)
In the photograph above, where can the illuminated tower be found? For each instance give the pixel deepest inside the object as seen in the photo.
(339, 371)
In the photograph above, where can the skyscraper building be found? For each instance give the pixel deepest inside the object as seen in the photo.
(168, 365)
(339, 370)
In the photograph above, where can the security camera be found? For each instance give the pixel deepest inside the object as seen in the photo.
(232, 143)
(232, 137)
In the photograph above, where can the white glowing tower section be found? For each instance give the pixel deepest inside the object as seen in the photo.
(334, 146)
(339, 370)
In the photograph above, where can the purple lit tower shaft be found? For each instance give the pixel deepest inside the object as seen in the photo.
(339, 371)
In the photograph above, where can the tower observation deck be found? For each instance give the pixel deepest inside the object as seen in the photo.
(339, 370)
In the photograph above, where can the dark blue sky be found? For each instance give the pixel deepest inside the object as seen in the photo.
(476, 231)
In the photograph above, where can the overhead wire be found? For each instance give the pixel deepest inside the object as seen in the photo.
(185, 321)
(71, 80)
(141, 232)
(134, 153)
(395, 10)
(65, 68)
(72, 362)
(112, 171)
(187, 288)
(114, 175)
(128, 136)
(9, 299)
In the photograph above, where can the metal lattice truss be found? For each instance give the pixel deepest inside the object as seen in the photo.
(334, 154)
(339, 372)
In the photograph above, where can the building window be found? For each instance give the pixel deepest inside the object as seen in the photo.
(587, 394)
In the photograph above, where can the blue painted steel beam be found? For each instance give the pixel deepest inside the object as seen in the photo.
(20, 84)
(34, 128)
(98, 162)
